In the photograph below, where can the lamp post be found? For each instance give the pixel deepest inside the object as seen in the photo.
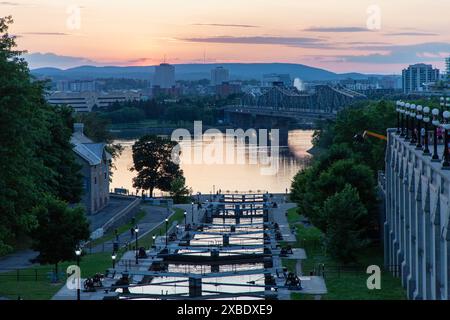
(426, 120)
(167, 224)
(419, 118)
(446, 127)
(407, 113)
(154, 240)
(185, 218)
(412, 108)
(436, 123)
(78, 254)
(402, 118)
(398, 117)
(113, 258)
(136, 231)
(192, 211)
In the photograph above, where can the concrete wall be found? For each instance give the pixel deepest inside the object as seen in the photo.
(416, 227)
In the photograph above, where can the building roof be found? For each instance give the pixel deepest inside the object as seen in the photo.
(89, 151)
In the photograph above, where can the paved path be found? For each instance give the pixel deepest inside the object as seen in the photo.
(114, 206)
(154, 216)
(17, 260)
(279, 216)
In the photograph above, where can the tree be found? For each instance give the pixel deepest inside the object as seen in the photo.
(60, 230)
(359, 176)
(178, 190)
(345, 235)
(65, 179)
(36, 157)
(152, 158)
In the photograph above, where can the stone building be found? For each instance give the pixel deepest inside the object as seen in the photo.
(416, 220)
(95, 170)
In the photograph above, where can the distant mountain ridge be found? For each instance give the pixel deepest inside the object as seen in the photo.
(238, 71)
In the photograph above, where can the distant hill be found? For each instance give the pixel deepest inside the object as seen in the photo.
(238, 71)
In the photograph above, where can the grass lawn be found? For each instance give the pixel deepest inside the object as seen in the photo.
(28, 288)
(348, 285)
(293, 217)
(34, 283)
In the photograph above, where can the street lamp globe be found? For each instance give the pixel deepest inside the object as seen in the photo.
(78, 252)
(113, 256)
(136, 229)
(446, 115)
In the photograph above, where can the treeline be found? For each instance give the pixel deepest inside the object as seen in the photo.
(206, 109)
(338, 192)
(39, 174)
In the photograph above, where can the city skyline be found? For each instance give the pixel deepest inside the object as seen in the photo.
(359, 36)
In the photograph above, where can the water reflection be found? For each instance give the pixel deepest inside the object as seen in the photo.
(209, 178)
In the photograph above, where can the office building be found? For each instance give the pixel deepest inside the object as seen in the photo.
(268, 80)
(219, 75)
(164, 77)
(85, 101)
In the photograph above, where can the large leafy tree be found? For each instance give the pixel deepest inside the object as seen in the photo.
(179, 191)
(343, 161)
(20, 130)
(345, 233)
(64, 180)
(60, 230)
(152, 158)
(36, 159)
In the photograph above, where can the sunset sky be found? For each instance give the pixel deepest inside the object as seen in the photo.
(328, 34)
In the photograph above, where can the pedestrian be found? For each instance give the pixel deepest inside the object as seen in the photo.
(132, 231)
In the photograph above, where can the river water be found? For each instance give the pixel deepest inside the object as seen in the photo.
(258, 170)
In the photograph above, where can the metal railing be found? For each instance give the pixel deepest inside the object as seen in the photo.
(339, 270)
(30, 274)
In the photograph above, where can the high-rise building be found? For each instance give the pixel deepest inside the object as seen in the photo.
(164, 76)
(219, 75)
(417, 76)
(447, 67)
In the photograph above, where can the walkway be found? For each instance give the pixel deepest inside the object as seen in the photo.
(17, 260)
(154, 216)
(279, 216)
(114, 206)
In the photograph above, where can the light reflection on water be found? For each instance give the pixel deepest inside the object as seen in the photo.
(233, 284)
(206, 178)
